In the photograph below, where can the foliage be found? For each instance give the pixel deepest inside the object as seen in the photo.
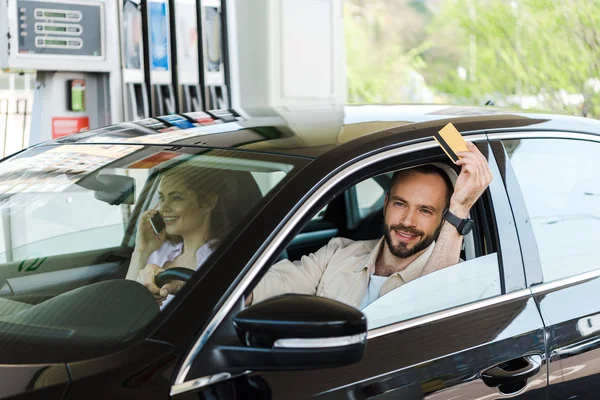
(545, 49)
(382, 50)
(470, 51)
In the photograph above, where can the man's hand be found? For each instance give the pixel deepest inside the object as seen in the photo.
(475, 176)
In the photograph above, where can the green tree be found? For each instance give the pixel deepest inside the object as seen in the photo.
(512, 49)
(384, 43)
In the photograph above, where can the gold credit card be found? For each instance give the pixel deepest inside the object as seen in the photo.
(451, 141)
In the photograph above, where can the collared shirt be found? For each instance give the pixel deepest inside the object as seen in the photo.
(170, 251)
(340, 271)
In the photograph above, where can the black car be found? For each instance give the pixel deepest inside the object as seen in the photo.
(520, 317)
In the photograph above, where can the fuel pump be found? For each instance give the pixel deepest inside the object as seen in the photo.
(188, 74)
(159, 45)
(135, 94)
(76, 59)
(213, 63)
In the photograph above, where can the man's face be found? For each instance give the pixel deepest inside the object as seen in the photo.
(413, 212)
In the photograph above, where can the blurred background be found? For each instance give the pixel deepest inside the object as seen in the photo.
(531, 54)
(527, 54)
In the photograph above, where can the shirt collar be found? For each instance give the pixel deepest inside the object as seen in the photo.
(415, 268)
(201, 254)
(412, 270)
(369, 263)
(176, 249)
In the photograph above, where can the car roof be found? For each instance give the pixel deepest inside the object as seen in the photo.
(313, 131)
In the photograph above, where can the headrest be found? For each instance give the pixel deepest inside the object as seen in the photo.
(448, 170)
(444, 167)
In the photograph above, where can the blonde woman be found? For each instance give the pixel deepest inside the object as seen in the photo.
(192, 202)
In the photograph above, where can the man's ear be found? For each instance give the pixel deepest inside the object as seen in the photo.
(385, 203)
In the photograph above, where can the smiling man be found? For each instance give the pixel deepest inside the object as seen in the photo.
(425, 220)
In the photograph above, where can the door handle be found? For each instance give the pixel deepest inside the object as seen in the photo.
(517, 370)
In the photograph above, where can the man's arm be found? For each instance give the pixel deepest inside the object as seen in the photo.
(475, 176)
(295, 277)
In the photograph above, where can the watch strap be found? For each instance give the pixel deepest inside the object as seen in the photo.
(453, 219)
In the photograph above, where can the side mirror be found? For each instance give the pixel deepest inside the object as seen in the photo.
(111, 189)
(297, 332)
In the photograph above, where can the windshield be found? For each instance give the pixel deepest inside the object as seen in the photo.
(85, 229)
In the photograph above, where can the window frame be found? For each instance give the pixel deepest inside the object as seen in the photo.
(362, 168)
(531, 257)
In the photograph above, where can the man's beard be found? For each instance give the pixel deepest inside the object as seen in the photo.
(401, 250)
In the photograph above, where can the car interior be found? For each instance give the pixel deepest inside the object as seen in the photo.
(88, 276)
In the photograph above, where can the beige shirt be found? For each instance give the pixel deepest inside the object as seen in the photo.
(340, 271)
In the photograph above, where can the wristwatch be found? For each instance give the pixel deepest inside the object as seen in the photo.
(463, 226)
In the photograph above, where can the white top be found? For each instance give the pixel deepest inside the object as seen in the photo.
(169, 251)
(374, 289)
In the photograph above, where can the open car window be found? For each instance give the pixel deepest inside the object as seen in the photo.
(457, 285)
(332, 260)
(69, 224)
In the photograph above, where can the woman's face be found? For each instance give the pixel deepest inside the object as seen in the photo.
(179, 207)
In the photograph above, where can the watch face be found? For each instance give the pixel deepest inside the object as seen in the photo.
(466, 226)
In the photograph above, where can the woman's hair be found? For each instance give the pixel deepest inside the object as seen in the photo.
(207, 183)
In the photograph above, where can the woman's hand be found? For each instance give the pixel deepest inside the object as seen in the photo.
(147, 276)
(147, 241)
(171, 288)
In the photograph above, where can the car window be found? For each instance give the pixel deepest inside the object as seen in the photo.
(75, 221)
(327, 267)
(31, 229)
(320, 215)
(267, 180)
(560, 182)
(368, 193)
(459, 284)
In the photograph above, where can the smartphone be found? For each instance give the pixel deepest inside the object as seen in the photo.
(451, 141)
(158, 223)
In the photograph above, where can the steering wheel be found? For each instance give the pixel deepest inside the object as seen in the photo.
(173, 274)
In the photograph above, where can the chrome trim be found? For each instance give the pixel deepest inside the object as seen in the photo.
(544, 135)
(565, 282)
(426, 319)
(280, 237)
(201, 382)
(315, 343)
(575, 349)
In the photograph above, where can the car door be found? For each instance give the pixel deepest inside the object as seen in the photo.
(478, 348)
(556, 186)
